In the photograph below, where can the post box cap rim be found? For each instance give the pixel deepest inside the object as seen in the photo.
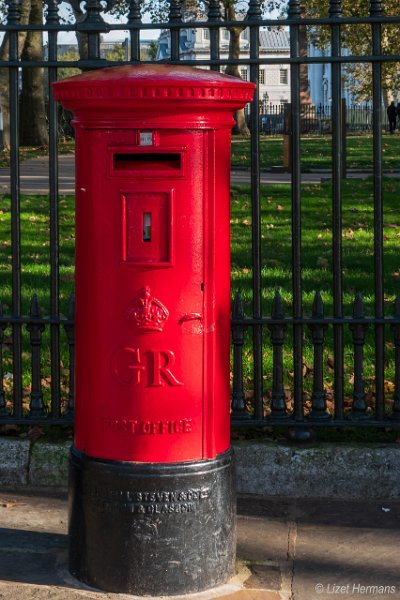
(150, 74)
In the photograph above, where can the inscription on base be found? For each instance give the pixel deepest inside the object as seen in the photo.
(146, 503)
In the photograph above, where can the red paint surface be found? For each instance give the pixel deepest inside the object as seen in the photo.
(152, 292)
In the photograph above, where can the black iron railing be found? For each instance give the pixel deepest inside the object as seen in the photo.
(36, 351)
(317, 118)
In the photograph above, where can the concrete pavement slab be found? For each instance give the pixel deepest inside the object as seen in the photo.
(288, 549)
(14, 461)
(49, 464)
(318, 470)
(347, 550)
(263, 468)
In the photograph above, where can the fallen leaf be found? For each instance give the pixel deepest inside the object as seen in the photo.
(9, 429)
(35, 432)
(322, 262)
(7, 503)
(389, 386)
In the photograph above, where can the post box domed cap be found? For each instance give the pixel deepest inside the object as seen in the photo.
(152, 82)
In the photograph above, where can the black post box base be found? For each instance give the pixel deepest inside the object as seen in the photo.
(152, 529)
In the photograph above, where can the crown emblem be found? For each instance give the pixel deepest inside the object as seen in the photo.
(147, 312)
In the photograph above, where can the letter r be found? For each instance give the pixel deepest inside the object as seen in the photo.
(162, 363)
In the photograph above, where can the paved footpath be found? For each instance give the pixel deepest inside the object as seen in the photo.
(288, 549)
(34, 176)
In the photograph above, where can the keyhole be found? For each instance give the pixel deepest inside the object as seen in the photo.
(147, 227)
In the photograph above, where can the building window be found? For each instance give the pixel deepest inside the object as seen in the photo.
(261, 76)
(283, 76)
(243, 73)
(225, 34)
(206, 34)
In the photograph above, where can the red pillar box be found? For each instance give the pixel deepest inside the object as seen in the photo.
(152, 505)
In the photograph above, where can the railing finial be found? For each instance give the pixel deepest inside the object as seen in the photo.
(375, 8)
(254, 11)
(14, 14)
(214, 11)
(52, 12)
(294, 9)
(175, 11)
(335, 8)
(134, 15)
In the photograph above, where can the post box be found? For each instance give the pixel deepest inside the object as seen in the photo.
(151, 492)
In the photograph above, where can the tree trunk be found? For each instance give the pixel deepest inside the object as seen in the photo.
(303, 52)
(24, 8)
(33, 125)
(234, 53)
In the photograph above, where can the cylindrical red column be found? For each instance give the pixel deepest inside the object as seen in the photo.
(151, 460)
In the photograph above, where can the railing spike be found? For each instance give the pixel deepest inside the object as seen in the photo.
(4, 412)
(71, 307)
(35, 311)
(277, 306)
(278, 396)
(318, 396)
(358, 306)
(238, 309)
(395, 415)
(318, 306)
(36, 406)
(359, 407)
(238, 333)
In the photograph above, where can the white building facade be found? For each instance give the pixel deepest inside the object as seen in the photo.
(274, 79)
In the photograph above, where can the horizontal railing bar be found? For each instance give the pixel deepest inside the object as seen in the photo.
(363, 20)
(284, 60)
(248, 321)
(28, 420)
(309, 422)
(25, 320)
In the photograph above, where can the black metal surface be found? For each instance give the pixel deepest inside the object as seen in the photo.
(335, 10)
(376, 9)
(152, 529)
(253, 15)
(294, 11)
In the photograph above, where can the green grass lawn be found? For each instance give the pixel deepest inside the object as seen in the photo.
(35, 251)
(276, 266)
(35, 279)
(358, 254)
(316, 152)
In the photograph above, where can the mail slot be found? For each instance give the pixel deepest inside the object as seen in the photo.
(147, 163)
(151, 471)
